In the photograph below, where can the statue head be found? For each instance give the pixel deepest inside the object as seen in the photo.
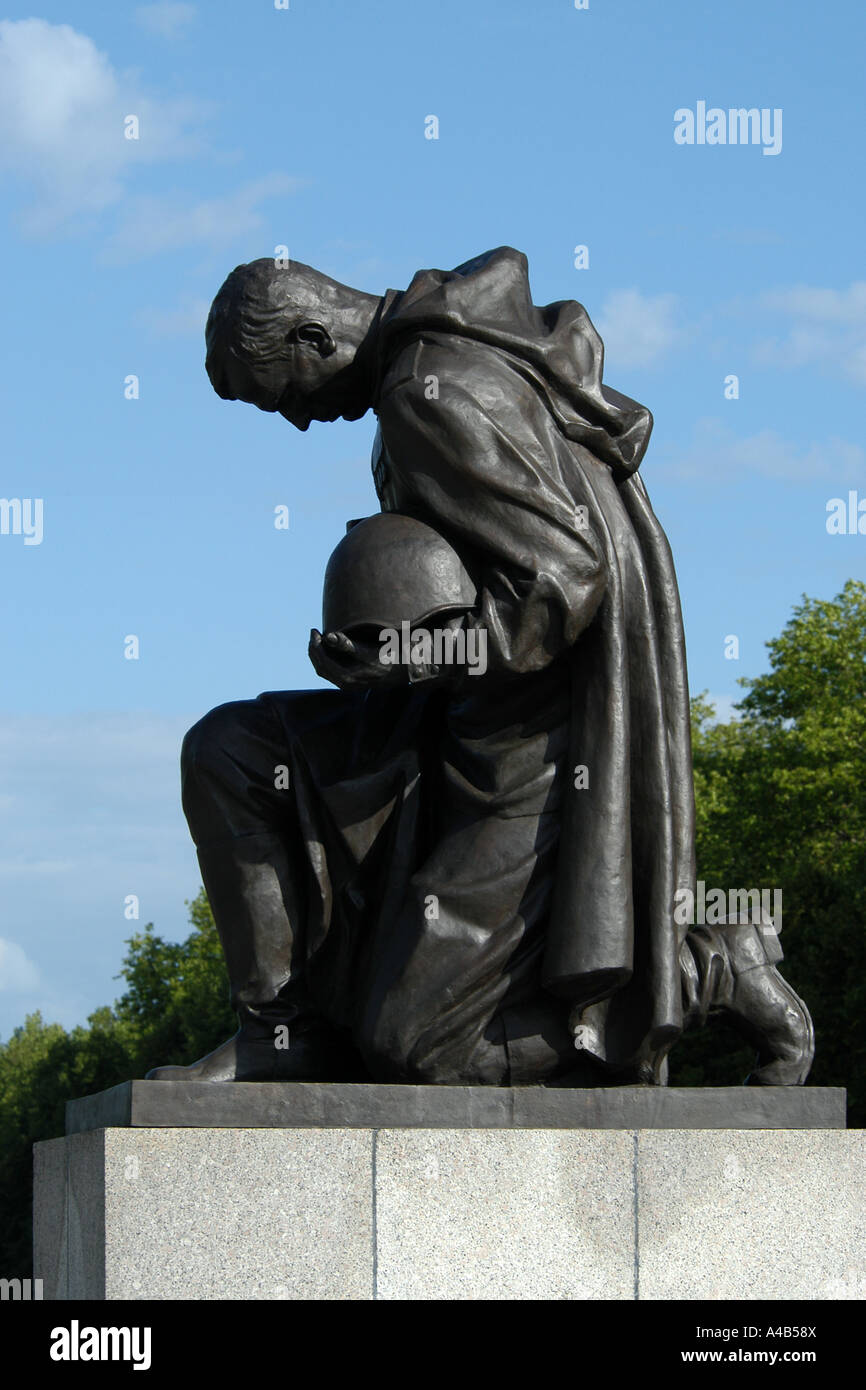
(290, 340)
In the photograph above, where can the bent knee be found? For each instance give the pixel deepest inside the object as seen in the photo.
(213, 737)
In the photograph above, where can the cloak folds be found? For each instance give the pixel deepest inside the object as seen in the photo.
(495, 428)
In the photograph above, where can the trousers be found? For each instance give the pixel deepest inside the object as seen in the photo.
(420, 834)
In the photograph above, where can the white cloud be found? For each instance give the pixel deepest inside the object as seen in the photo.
(21, 868)
(637, 330)
(820, 305)
(826, 327)
(151, 225)
(18, 974)
(169, 19)
(186, 320)
(716, 454)
(94, 815)
(62, 112)
(94, 801)
(79, 764)
(61, 116)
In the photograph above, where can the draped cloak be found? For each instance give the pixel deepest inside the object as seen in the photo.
(496, 429)
(516, 439)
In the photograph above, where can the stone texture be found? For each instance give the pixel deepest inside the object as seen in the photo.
(250, 1105)
(49, 1216)
(198, 1214)
(504, 1215)
(734, 1215)
(411, 1213)
(86, 1215)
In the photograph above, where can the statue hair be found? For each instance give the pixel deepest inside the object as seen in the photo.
(255, 310)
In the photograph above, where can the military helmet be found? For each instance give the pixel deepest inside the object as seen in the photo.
(392, 568)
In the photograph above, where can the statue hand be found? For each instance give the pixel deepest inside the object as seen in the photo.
(349, 663)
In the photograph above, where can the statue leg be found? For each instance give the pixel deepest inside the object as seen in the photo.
(730, 969)
(251, 868)
(454, 995)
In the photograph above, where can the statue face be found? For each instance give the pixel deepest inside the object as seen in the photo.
(274, 388)
(303, 385)
(302, 341)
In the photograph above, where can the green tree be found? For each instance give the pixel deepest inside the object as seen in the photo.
(176, 1006)
(174, 1009)
(781, 803)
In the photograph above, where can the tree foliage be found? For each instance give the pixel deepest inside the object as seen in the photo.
(781, 803)
(175, 1008)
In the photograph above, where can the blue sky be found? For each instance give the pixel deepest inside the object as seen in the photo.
(305, 127)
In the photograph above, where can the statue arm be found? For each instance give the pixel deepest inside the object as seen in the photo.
(487, 489)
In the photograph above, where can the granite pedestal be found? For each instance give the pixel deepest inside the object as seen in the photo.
(169, 1190)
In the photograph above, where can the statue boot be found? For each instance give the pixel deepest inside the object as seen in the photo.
(730, 969)
(282, 1036)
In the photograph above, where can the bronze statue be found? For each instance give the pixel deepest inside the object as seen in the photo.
(461, 866)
